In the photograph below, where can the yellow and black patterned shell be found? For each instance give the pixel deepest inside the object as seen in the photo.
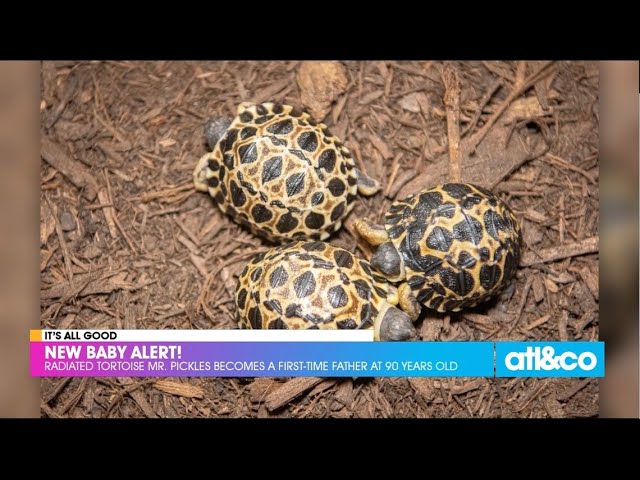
(280, 174)
(460, 244)
(310, 285)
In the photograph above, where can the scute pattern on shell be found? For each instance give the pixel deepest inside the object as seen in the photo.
(310, 285)
(280, 174)
(460, 244)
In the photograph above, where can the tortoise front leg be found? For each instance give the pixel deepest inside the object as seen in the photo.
(408, 301)
(373, 233)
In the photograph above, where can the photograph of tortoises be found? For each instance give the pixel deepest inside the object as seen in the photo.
(426, 201)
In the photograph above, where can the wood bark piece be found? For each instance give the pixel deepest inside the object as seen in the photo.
(47, 223)
(467, 386)
(344, 393)
(260, 387)
(538, 322)
(289, 391)
(77, 173)
(180, 389)
(424, 387)
(591, 280)
(538, 289)
(321, 83)
(134, 390)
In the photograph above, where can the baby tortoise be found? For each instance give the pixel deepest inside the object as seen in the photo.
(279, 173)
(313, 285)
(452, 246)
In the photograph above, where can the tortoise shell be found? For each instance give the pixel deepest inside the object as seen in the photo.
(280, 174)
(311, 285)
(460, 244)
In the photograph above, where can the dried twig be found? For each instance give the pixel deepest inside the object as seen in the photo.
(537, 322)
(452, 102)
(551, 254)
(50, 412)
(167, 194)
(53, 393)
(92, 285)
(523, 301)
(532, 396)
(517, 165)
(395, 167)
(564, 164)
(139, 397)
(401, 180)
(486, 98)
(69, 92)
(108, 211)
(520, 86)
(63, 244)
(567, 394)
(75, 397)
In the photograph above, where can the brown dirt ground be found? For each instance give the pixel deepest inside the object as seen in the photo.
(120, 216)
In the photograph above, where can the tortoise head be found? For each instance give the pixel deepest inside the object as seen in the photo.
(388, 261)
(214, 129)
(395, 325)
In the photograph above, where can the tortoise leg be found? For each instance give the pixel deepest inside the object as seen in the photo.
(200, 173)
(367, 186)
(408, 301)
(373, 233)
